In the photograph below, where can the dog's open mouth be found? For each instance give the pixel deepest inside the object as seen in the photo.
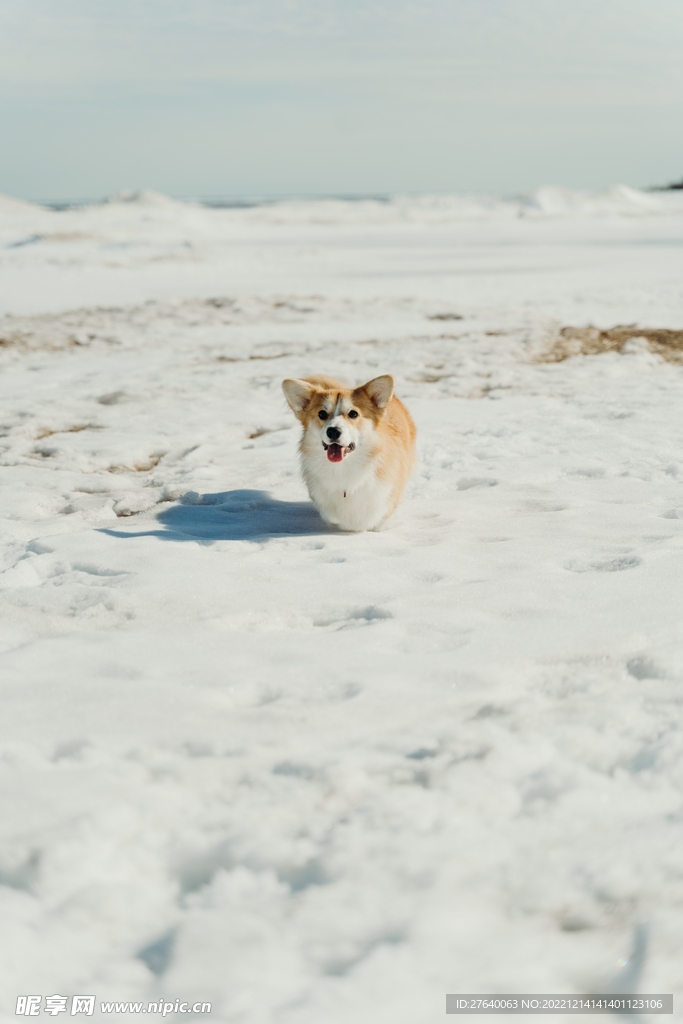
(336, 452)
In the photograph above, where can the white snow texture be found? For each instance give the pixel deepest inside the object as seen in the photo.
(316, 777)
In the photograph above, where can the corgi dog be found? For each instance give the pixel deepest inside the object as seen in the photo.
(357, 448)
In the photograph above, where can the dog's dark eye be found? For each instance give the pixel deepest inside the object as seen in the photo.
(322, 414)
(353, 414)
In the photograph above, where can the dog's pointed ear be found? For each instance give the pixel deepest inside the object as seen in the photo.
(379, 390)
(298, 394)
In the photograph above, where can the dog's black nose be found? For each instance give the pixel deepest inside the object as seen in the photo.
(333, 433)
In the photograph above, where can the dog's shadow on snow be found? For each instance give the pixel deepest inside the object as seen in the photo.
(233, 515)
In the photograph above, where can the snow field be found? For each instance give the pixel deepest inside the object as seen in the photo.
(309, 775)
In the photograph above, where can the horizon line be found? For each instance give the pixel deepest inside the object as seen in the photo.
(245, 201)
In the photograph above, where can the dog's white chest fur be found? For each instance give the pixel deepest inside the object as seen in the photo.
(349, 495)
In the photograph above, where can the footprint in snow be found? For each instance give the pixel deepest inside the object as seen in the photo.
(359, 617)
(467, 482)
(607, 565)
(643, 667)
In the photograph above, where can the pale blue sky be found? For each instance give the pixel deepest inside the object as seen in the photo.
(244, 97)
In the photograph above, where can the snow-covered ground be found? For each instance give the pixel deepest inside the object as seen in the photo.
(314, 777)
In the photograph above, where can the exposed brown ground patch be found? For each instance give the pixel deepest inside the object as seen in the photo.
(591, 341)
(142, 466)
(260, 431)
(48, 432)
(125, 325)
(246, 359)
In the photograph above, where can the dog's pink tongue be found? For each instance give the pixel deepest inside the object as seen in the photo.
(335, 453)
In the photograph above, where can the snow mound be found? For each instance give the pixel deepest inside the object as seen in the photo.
(8, 204)
(143, 197)
(553, 200)
(548, 201)
(429, 209)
